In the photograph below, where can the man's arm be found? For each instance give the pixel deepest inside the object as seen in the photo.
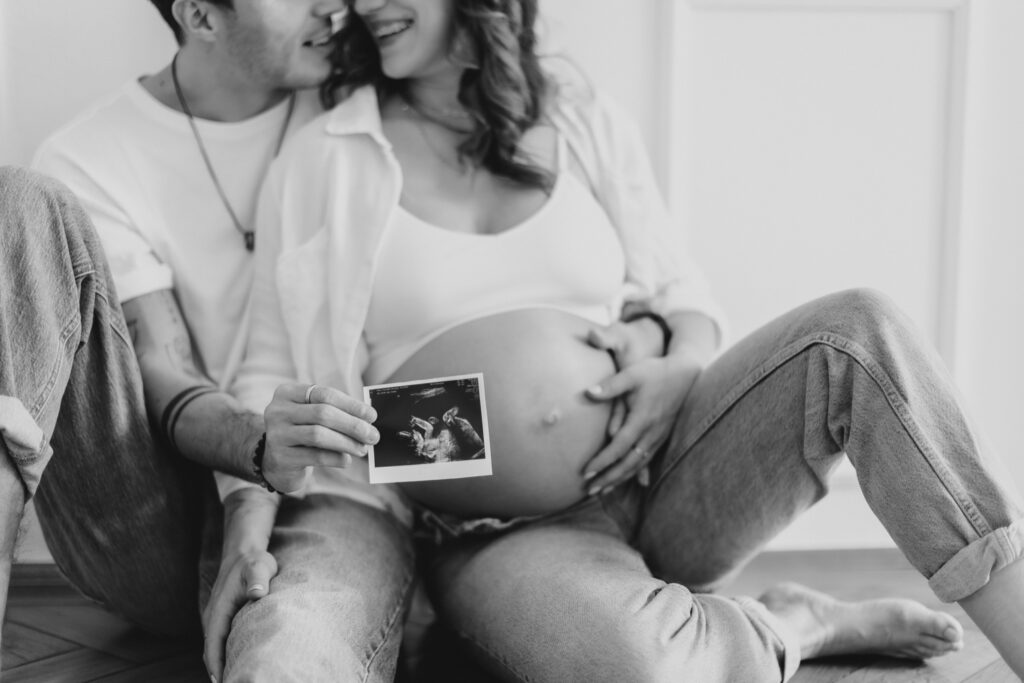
(214, 429)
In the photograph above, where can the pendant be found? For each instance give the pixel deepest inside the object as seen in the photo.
(250, 240)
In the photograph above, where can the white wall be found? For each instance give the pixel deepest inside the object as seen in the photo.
(56, 57)
(989, 362)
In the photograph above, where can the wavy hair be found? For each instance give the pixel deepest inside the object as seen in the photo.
(503, 87)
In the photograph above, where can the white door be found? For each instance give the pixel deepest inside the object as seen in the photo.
(825, 144)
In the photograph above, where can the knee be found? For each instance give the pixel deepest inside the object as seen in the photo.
(863, 315)
(307, 638)
(23, 187)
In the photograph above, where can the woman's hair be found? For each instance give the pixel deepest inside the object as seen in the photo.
(503, 87)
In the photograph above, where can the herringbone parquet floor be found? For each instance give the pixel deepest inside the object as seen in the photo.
(53, 635)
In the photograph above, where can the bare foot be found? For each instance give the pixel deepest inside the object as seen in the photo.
(891, 626)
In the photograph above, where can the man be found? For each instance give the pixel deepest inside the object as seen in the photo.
(168, 170)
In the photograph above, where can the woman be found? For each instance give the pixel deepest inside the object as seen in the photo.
(460, 211)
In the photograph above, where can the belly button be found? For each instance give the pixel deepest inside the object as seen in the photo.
(553, 417)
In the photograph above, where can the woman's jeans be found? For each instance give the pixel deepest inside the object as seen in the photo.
(615, 589)
(136, 527)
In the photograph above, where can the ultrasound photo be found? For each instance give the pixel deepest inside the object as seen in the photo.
(430, 429)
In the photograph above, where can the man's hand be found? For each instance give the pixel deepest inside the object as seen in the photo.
(242, 578)
(326, 431)
(246, 567)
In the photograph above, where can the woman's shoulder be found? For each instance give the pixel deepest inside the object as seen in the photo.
(575, 100)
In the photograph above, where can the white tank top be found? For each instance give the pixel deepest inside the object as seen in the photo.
(430, 279)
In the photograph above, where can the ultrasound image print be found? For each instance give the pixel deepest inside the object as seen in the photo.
(439, 422)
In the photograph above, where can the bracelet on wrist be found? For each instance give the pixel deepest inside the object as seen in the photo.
(666, 331)
(257, 464)
(175, 407)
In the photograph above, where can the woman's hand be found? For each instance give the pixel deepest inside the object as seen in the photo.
(653, 391)
(313, 426)
(242, 578)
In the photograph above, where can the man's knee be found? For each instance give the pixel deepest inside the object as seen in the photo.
(22, 188)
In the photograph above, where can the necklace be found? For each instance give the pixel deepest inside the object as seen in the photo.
(441, 116)
(248, 235)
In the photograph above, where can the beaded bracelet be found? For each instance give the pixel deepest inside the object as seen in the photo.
(257, 464)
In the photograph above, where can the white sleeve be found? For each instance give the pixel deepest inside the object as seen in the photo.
(664, 275)
(134, 266)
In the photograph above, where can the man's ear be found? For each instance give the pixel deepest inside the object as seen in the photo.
(196, 18)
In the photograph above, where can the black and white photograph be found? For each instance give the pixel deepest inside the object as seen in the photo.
(430, 429)
(660, 340)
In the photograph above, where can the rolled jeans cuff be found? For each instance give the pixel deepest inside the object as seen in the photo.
(24, 442)
(790, 658)
(972, 567)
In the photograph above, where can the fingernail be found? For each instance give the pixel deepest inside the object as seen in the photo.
(255, 587)
(372, 417)
(213, 678)
(596, 390)
(587, 476)
(374, 437)
(950, 633)
(593, 490)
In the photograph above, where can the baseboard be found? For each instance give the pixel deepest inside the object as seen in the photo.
(37, 574)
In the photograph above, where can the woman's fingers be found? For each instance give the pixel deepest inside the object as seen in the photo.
(618, 417)
(629, 462)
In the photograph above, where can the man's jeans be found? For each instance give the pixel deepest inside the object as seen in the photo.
(126, 521)
(617, 588)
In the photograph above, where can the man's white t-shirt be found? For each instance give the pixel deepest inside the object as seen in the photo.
(136, 166)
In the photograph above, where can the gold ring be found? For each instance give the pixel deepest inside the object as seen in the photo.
(309, 392)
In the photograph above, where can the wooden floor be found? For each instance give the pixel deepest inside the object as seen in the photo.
(53, 635)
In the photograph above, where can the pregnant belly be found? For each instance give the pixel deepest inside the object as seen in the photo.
(536, 364)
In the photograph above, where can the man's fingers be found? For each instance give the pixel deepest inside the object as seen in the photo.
(257, 575)
(296, 393)
(251, 582)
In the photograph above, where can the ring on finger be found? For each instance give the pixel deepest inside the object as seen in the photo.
(309, 392)
(641, 452)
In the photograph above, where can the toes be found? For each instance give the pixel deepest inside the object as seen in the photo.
(945, 627)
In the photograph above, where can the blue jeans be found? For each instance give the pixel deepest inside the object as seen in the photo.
(337, 606)
(618, 587)
(136, 527)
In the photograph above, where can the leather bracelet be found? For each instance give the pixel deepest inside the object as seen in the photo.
(174, 408)
(666, 331)
(257, 464)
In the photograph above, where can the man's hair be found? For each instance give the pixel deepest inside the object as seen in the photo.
(164, 6)
(503, 91)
